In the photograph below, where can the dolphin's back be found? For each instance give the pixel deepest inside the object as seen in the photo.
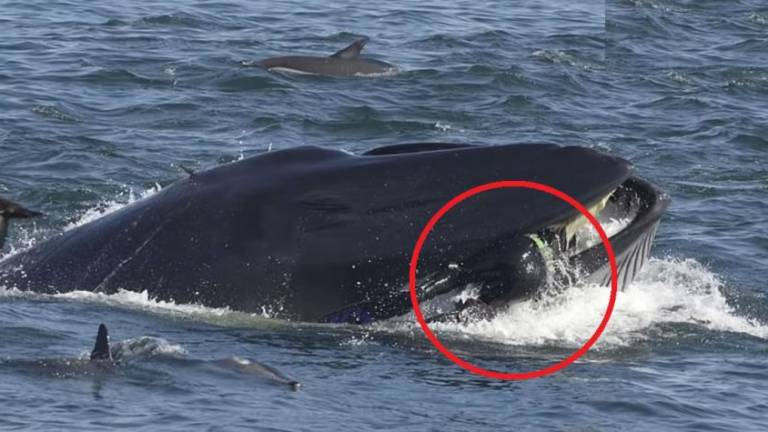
(345, 62)
(326, 65)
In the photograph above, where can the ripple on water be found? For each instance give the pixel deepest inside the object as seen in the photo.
(564, 58)
(122, 77)
(759, 18)
(55, 112)
(180, 20)
(751, 79)
(240, 83)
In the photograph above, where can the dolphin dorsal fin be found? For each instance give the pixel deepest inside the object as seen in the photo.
(10, 210)
(101, 349)
(352, 51)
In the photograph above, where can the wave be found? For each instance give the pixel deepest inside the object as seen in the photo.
(759, 18)
(555, 56)
(109, 206)
(28, 236)
(107, 77)
(56, 113)
(670, 290)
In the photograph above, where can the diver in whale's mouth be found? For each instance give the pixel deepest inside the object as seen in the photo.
(514, 269)
(553, 258)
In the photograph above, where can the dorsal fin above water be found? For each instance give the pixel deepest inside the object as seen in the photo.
(10, 210)
(413, 148)
(352, 51)
(101, 349)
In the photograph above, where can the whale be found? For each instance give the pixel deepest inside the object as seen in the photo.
(345, 62)
(318, 234)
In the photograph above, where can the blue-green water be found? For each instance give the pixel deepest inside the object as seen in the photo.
(100, 102)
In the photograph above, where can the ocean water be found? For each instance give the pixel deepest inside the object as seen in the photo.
(103, 103)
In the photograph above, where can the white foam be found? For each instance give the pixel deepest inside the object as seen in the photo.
(443, 127)
(561, 57)
(141, 301)
(759, 18)
(668, 290)
(28, 237)
(147, 346)
(110, 206)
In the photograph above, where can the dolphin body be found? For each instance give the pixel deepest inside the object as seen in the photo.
(346, 62)
(106, 354)
(316, 234)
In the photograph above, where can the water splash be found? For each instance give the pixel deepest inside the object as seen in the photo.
(112, 205)
(759, 18)
(55, 112)
(669, 290)
(28, 236)
(555, 56)
(146, 346)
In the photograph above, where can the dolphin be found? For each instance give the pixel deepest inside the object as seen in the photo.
(257, 370)
(345, 62)
(101, 350)
(96, 365)
(105, 358)
(322, 235)
(103, 353)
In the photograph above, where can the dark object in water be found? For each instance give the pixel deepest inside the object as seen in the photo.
(11, 210)
(315, 234)
(346, 62)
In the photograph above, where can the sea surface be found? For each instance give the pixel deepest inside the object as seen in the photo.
(102, 103)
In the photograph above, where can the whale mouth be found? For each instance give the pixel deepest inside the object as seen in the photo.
(630, 218)
(533, 264)
(629, 215)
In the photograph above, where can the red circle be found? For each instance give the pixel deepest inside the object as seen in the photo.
(511, 375)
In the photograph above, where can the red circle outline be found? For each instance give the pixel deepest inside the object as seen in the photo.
(492, 373)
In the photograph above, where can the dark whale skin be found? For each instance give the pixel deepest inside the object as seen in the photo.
(309, 231)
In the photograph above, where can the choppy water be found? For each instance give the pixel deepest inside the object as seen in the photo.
(101, 102)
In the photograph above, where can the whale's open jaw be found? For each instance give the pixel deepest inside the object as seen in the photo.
(629, 215)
